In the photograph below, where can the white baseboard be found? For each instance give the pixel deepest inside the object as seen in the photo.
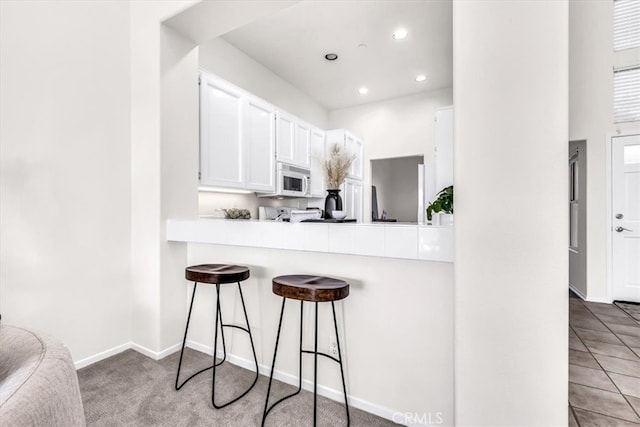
(600, 300)
(307, 385)
(102, 355)
(577, 292)
(589, 299)
(155, 355)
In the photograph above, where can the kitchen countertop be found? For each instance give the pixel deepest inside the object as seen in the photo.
(380, 239)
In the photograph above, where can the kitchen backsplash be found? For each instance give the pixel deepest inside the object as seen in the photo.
(209, 201)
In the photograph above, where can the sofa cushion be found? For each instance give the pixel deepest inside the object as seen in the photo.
(38, 381)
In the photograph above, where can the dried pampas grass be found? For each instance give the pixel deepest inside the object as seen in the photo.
(336, 166)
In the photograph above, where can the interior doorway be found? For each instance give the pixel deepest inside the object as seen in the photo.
(624, 218)
(578, 217)
(397, 187)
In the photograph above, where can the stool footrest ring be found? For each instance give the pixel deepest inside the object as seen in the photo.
(319, 353)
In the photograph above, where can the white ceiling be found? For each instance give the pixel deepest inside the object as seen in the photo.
(292, 43)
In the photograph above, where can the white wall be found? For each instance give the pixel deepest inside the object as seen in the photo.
(179, 179)
(510, 96)
(396, 359)
(65, 181)
(233, 65)
(591, 60)
(146, 174)
(393, 128)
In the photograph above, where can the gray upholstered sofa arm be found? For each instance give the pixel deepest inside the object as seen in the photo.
(38, 381)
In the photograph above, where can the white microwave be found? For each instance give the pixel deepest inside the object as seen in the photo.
(291, 181)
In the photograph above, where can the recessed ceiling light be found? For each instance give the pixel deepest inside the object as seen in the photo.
(421, 78)
(362, 45)
(363, 90)
(400, 34)
(331, 56)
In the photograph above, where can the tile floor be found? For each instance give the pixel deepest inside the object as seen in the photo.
(604, 365)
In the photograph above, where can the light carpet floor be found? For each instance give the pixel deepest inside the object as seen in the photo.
(130, 389)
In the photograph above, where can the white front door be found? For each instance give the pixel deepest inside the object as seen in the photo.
(626, 218)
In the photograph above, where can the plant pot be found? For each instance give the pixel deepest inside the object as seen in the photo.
(333, 202)
(445, 219)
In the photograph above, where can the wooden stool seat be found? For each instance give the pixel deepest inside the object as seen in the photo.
(303, 287)
(217, 273)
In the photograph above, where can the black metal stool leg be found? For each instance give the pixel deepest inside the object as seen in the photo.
(253, 349)
(178, 387)
(268, 408)
(184, 340)
(344, 387)
(300, 351)
(315, 371)
(273, 365)
(224, 343)
(215, 342)
(215, 339)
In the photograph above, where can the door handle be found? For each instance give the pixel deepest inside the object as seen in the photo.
(621, 229)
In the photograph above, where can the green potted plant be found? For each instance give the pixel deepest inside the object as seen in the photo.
(443, 203)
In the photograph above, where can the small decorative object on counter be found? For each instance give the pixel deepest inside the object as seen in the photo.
(335, 167)
(443, 203)
(339, 214)
(234, 213)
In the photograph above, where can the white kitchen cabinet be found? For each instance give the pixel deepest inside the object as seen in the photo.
(259, 144)
(221, 121)
(302, 144)
(285, 137)
(237, 137)
(352, 199)
(353, 145)
(293, 139)
(316, 160)
(443, 142)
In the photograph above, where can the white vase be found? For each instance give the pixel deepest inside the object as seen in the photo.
(445, 219)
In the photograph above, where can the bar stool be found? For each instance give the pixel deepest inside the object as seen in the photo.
(217, 274)
(312, 289)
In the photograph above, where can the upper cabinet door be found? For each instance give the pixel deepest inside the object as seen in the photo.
(302, 141)
(293, 137)
(285, 137)
(352, 198)
(259, 143)
(358, 201)
(221, 121)
(354, 146)
(316, 160)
